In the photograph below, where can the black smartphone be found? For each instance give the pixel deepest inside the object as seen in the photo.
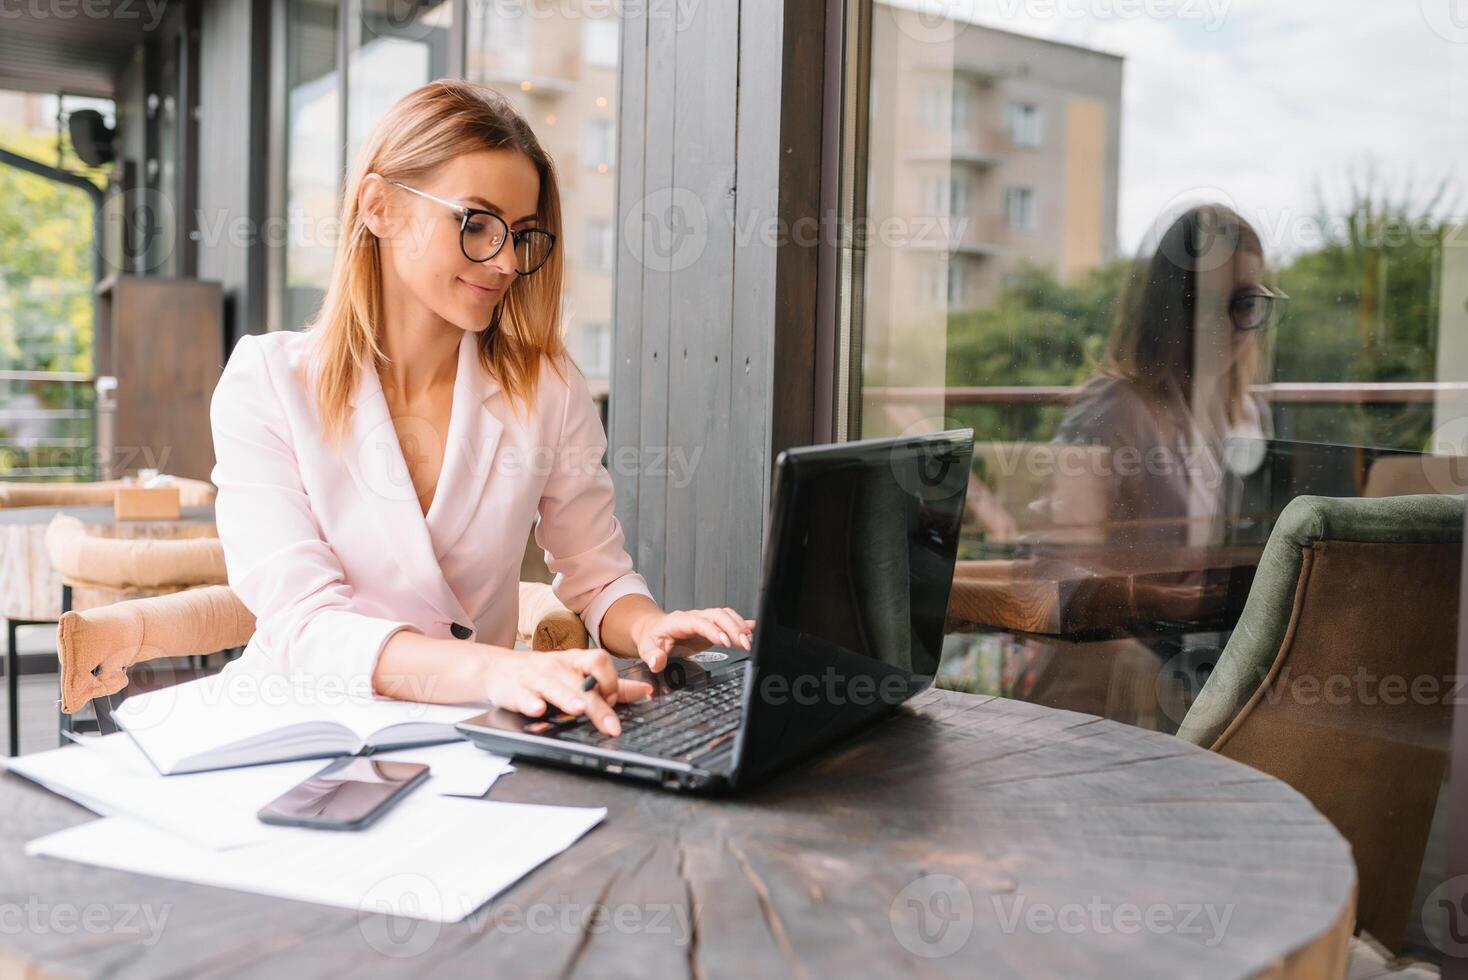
(349, 794)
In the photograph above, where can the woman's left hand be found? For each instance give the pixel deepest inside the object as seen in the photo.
(691, 630)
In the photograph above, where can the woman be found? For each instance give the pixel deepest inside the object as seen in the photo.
(1172, 403)
(379, 471)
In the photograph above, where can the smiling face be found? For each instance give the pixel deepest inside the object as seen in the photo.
(419, 237)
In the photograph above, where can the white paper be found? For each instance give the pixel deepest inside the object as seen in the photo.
(217, 809)
(432, 857)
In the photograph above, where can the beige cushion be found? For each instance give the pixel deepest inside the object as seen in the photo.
(96, 647)
(545, 623)
(131, 564)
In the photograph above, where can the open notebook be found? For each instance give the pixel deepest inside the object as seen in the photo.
(240, 719)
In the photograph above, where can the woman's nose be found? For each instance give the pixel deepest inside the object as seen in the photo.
(504, 261)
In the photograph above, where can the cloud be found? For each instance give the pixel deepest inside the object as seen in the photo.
(1264, 101)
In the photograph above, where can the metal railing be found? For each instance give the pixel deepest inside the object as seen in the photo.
(46, 434)
(1295, 392)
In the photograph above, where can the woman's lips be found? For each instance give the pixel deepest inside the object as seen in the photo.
(486, 291)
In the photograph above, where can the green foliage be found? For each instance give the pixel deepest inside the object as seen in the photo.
(45, 291)
(45, 266)
(1039, 332)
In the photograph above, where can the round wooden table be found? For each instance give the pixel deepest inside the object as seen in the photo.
(964, 836)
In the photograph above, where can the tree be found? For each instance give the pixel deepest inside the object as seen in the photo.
(45, 285)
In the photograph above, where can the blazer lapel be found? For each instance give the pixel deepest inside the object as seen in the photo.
(469, 451)
(374, 458)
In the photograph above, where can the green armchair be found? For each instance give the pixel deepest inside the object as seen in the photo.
(1338, 678)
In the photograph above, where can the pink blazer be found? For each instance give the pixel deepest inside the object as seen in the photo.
(329, 548)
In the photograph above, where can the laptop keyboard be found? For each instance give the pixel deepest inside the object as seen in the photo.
(679, 724)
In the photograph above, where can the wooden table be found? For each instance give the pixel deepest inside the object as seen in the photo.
(963, 836)
(1101, 590)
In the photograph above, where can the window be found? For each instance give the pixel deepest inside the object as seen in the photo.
(601, 246)
(957, 283)
(501, 41)
(962, 112)
(593, 349)
(1019, 208)
(313, 158)
(934, 102)
(1264, 302)
(565, 84)
(599, 144)
(957, 196)
(599, 43)
(1023, 122)
(934, 290)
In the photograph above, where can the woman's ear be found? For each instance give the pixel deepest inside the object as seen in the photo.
(372, 204)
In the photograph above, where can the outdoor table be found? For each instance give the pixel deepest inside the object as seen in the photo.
(961, 836)
(1114, 590)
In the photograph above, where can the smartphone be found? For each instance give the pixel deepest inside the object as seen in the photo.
(349, 794)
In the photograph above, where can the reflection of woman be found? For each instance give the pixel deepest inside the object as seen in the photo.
(1174, 386)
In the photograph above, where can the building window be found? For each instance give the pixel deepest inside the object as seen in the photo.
(593, 349)
(957, 284)
(1022, 119)
(963, 111)
(935, 107)
(1019, 208)
(556, 64)
(957, 196)
(599, 144)
(599, 42)
(601, 246)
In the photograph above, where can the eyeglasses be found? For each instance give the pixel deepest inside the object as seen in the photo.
(483, 233)
(1256, 308)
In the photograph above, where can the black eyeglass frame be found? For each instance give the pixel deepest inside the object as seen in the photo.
(1278, 305)
(510, 235)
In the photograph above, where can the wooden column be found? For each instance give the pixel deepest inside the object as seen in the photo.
(713, 342)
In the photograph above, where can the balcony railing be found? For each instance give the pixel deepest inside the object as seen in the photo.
(47, 425)
(1292, 392)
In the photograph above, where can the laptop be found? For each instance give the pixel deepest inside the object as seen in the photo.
(858, 565)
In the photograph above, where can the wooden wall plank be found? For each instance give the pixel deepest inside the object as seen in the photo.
(699, 532)
(624, 407)
(720, 151)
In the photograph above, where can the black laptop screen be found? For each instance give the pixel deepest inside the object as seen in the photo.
(858, 569)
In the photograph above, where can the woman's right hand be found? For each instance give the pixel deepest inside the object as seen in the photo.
(528, 681)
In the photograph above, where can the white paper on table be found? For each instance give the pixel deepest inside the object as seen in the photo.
(432, 857)
(217, 809)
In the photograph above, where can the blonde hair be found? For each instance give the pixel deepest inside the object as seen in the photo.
(422, 130)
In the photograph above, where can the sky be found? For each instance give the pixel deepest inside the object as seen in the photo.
(1269, 105)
